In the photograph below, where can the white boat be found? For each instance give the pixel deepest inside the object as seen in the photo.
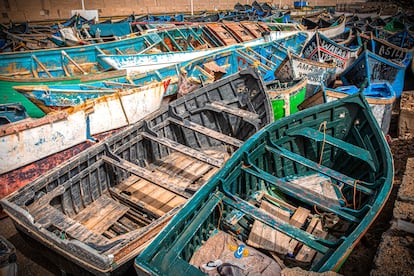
(29, 140)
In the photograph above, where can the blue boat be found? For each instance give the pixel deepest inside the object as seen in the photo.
(265, 57)
(379, 95)
(323, 49)
(370, 67)
(387, 50)
(81, 63)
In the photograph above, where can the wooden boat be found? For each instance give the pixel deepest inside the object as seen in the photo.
(77, 64)
(12, 112)
(305, 189)
(306, 12)
(379, 95)
(140, 63)
(278, 17)
(295, 67)
(321, 48)
(29, 140)
(369, 68)
(387, 50)
(111, 199)
(266, 57)
(286, 96)
(337, 27)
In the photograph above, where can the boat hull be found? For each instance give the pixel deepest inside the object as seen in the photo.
(30, 140)
(124, 189)
(270, 171)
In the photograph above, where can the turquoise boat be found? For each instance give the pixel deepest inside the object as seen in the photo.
(304, 190)
(12, 112)
(100, 208)
(80, 64)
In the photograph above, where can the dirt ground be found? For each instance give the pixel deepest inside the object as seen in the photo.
(361, 260)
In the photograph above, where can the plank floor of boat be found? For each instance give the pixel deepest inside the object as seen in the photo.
(280, 244)
(177, 169)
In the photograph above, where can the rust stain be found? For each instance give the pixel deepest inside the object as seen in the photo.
(12, 181)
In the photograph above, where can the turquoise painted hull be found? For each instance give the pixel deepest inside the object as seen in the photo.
(270, 169)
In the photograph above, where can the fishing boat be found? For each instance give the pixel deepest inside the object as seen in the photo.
(379, 95)
(60, 97)
(303, 190)
(387, 50)
(321, 48)
(12, 112)
(370, 67)
(286, 96)
(102, 207)
(140, 63)
(266, 57)
(30, 140)
(317, 73)
(81, 63)
(336, 27)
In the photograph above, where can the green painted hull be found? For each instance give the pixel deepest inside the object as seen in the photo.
(9, 95)
(295, 99)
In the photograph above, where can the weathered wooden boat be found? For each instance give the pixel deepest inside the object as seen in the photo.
(230, 33)
(266, 57)
(29, 140)
(59, 97)
(403, 39)
(379, 95)
(75, 64)
(286, 96)
(304, 189)
(387, 50)
(337, 27)
(12, 112)
(321, 48)
(317, 73)
(309, 12)
(140, 63)
(370, 67)
(110, 200)
(278, 17)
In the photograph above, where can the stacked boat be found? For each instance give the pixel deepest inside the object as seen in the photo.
(265, 137)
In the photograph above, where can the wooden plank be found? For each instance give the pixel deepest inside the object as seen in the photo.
(135, 200)
(207, 131)
(266, 237)
(222, 107)
(69, 227)
(145, 174)
(306, 253)
(101, 214)
(320, 168)
(298, 219)
(184, 149)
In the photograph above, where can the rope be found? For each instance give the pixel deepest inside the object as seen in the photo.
(354, 196)
(323, 142)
